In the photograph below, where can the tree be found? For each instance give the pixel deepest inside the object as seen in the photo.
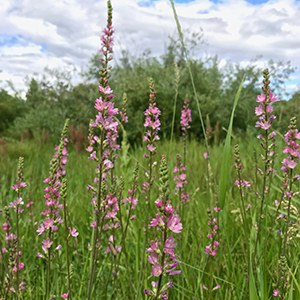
(10, 108)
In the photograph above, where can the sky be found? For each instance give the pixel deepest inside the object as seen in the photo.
(65, 33)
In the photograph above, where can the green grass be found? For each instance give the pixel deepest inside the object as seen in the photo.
(228, 268)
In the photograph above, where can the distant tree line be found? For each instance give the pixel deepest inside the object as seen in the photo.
(49, 102)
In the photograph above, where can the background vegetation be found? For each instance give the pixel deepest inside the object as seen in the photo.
(52, 98)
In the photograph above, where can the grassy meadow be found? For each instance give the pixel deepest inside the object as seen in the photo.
(170, 218)
(228, 268)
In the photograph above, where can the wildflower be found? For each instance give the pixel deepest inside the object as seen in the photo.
(185, 120)
(12, 250)
(152, 127)
(276, 293)
(52, 191)
(186, 117)
(292, 148)
(216, 287)
(46, 244)
(264, 110)
(74, 232)
(152, 122)
(174, 224)
(180, 180)
(286, 202)
(161, 253)
(242, 183)
(213, 246)
(103, 145)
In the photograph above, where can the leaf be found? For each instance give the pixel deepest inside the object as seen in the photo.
(226, 159)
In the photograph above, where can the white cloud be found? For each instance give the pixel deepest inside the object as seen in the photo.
(60, 33)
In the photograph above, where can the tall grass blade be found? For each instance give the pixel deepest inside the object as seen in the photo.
(189, 70)
(226, 159)
(253, 295)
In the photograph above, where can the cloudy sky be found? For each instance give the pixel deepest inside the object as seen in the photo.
(65, 33)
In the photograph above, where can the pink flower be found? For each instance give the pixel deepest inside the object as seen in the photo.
(41, 229)
(273, 98)
(263, 125)
(157, 221)
(151, 148)
(156, 270)
(74, 232)
(46, 244)
(158, 203)
(261, 98)
(5, 226)
(169, 208)
(152, 122)
(64, 296)
(289, 163)
(174, 224)
(276, 293)
(108, 164)
(170, 243)
(58, 247)
(106, 91)
(153, 258)
(186, 117)
(153, 246)
(259, 110)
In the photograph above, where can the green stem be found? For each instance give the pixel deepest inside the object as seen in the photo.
(48, 284)
(288, 216)
(17, 250)
(93, 261)
(262, 204)
(162, 264)
(175, 100)
(67, 248)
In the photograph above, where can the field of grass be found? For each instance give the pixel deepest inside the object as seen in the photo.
(202, 274)
(164, 220)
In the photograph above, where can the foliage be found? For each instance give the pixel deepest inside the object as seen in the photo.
(52, 98)
(10, 108)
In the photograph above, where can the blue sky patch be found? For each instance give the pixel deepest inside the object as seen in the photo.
(7, 40)
(11, 40)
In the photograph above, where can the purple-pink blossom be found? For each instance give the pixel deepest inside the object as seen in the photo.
(276, 293)
(152, 122)
(186, 116)
(264, 110)
(174, 223)
(292, 148)
(161, 253)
